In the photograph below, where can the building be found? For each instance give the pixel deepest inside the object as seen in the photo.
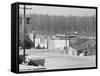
(40, 41)
(52, 42)
(56, 44)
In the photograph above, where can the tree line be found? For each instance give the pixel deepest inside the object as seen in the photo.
(60, 24)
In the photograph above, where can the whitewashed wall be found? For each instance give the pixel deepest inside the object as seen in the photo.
(57, 44)
(41, 42)
(60, 44)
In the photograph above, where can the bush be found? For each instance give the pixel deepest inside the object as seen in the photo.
(38, 47)
(27, 43)
(43, 47)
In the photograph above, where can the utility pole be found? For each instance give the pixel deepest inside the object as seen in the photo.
(23, 29)
(23, 32)
(66, 37)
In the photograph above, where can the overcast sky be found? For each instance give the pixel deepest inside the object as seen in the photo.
(65, 11)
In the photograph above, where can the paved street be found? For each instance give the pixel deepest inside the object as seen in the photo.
(57, 61)
(70, 62)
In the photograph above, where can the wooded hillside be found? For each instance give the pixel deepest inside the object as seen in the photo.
(85, 25)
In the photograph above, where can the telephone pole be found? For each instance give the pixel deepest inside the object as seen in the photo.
(23, 29)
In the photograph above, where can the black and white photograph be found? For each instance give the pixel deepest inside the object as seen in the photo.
(54, 37)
